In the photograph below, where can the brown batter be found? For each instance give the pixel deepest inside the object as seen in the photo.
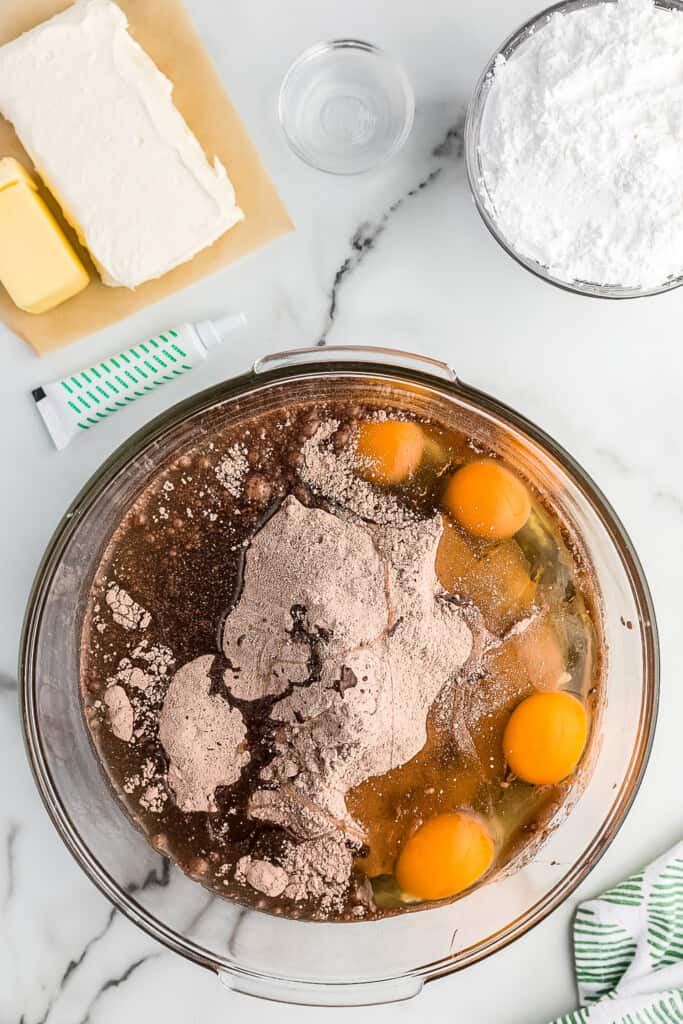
(280, 683)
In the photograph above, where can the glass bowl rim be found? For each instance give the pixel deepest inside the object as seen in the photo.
(473, 121)
(236, 387)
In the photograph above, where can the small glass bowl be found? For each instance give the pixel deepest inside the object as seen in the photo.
(475, 173)
(346, 106)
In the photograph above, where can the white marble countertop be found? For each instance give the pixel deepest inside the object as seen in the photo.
(398, 257)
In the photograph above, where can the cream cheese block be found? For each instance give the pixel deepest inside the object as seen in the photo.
(97, 118)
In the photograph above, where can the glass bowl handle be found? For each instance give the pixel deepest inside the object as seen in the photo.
(281, 990)
(333, 353)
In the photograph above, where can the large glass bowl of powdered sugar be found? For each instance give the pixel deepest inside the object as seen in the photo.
(171, 566)
(574, 146)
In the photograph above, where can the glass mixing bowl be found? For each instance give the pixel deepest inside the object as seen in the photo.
(476, 113)
(310, 962)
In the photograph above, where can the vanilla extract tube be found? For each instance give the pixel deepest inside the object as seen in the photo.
(79, 402)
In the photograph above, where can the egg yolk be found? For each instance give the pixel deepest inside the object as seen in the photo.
(393, 450)
(447, 854)
(497, 581)
(455, 560)
(545, 737)
(539, 651)
(488, 500)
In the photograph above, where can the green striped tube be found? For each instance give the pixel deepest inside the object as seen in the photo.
(79, 402)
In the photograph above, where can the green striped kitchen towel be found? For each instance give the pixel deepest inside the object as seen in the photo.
(628, 949)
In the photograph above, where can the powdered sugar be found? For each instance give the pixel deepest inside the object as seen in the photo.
(582, 145)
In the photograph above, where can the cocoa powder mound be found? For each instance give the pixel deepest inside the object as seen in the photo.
(232, 469)
(125, 611)
(347, 624)
(333, 475)
(304, 559)
(343, 628)
(262, 876)
(120, 714)
(203, 738)
(365, 711)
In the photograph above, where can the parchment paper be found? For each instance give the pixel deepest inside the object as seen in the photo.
(166, 32)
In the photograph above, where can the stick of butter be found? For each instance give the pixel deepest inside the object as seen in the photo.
(38, 266)
(97, 118)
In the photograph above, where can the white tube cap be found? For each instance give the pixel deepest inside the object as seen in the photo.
(213, 333)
